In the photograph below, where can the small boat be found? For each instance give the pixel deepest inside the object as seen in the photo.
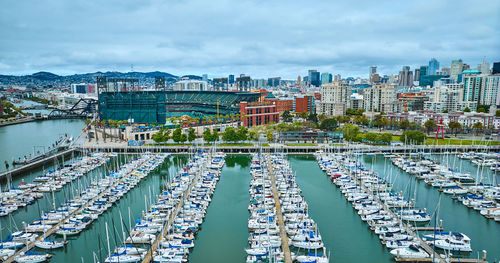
(50, 244)
(412, 251)
(122, 258)
(31, 257)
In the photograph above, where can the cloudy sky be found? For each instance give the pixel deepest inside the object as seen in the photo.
(263, 38)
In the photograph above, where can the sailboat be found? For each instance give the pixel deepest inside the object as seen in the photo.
(50, 244)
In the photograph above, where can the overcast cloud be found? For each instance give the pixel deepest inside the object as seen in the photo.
(263, 38)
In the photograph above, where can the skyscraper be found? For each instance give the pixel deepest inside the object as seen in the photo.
(326, 78)
(457, 66)
(373, 70)
(231, 79)
(406, 77)
(417, 74)
(496, 68)
(484, 67)
(423, 72)
(433, 67)
(314, 77)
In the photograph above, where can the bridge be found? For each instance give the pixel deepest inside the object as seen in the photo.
(83, 108)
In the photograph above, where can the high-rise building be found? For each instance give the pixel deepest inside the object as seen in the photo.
(326, 78)
(417, 74)
(423, 72)
(335, 98)
(484, 68)
(379, 97)
(496, 68)
(405, 77)
(314, 79)
(448, 97)
(337, 77)
(457, 66)
(375, 78)
(231, 79)
(273, 82)
(433, 67)
(204, 77)
(373, 70)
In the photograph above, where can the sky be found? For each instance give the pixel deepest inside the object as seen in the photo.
(260, 38)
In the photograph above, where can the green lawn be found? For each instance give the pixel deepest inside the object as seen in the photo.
(169, 144)
(235, 144)
(452, 141)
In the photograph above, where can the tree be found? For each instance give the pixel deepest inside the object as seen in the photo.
(304, 115)
(287, 117)
(329, 124)
(229, 135)
(466, 109)
(183, 138)
(361, 119)
(497, 113)
(478, 126)
(454, 126)
(157, 137)
(322, 117)
(270, 137)
(412, 137)
(177, 134)
(191, 134)
(381, 122)
(445, 111)
(481, 110)
(242, 133)
(371, 137)
(313, 117)
(404, 124)
(207, 135)
(252, 135)
(430, 125)
(350, 131)
(385, 138)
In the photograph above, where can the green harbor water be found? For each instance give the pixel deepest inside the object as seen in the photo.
(19, 140)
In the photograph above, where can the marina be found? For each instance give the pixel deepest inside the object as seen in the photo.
(150, 226)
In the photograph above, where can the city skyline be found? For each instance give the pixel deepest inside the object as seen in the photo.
(257, 38)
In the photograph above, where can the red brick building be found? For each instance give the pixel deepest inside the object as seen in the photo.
(284, 105)
(258, 113)
(303, 104)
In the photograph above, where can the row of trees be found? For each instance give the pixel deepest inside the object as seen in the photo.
(352, 133)
(177, 135)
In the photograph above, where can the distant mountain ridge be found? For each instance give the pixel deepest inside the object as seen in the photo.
(48, 78)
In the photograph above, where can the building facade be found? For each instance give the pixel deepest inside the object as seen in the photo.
(335, 99)
(303, 103)
(379, 97)
(258, 113)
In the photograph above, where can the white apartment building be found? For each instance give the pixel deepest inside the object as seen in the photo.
(335, 99)
(481, 88)
(448, 97)
(380, 97)
(190, 84)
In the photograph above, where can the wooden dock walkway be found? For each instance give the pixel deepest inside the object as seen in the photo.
(281, 223)
(150, 254)
(52, 230)
(35, 164)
